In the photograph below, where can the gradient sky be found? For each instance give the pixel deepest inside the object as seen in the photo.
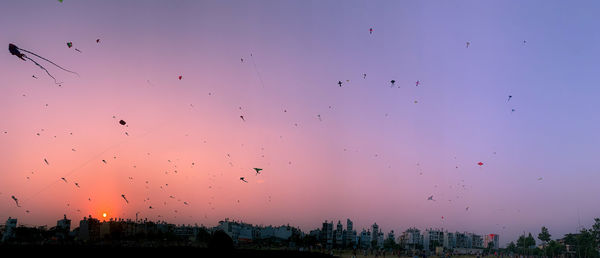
(375, 155)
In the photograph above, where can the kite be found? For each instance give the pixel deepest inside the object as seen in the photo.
(122, 195)
(417, 83)
(97, 40)
(524, 41)
(480, 163)
(467, 208)
(340, 83)
(393, 81)
(258, 170)
(46, 162)
(70, 44)
(242, 117)
(242, 60)
(104, 161)
(430, 198)
(150, 207)
(509, 97)
(60, 1)
(512, 110)
(371, 31)
(180, 76)
(319, 116)
(540, 178)
(364, 76)
(242, 178)
(76, 184)
(16, 201)
(34, 76)
(468, 43)
(185, 203)
(122, 122)
(63, 179)
(16, 51)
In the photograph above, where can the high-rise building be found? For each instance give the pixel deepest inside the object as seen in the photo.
(89, 229)
(327, 234)
(411, 238)
(365, 239)
(375, 233)
(9, 231)
(477, 241)
(339, 235)
(491, 238)
(350, 234)
(63, 227)
(433, 238)
(449, 240)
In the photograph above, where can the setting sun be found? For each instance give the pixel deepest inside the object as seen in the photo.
(104, 214)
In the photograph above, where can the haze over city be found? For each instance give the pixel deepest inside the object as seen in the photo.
(352, 109)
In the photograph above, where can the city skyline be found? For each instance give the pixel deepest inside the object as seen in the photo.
(352, 109)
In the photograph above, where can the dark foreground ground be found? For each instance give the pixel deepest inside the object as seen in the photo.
(110, 252)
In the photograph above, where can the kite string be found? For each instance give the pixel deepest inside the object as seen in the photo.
(43, 68)
(89, 160)
(47, 61)
(256, 70)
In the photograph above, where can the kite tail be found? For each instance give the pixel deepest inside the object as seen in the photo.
(47, 61)
(55, 82)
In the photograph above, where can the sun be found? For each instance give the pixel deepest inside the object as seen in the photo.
(104, 214)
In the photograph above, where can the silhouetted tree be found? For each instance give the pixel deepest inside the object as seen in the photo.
(544, 236)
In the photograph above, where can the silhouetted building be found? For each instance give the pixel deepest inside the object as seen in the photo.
(364, 240)
(411, 239)
(9, 231)
(339, 235)
(433, 238)
(492, 238)
(327, 234)
(63, 227)
(350, 234)
(89, 229)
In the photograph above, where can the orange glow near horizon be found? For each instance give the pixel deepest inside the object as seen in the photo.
(104, 214)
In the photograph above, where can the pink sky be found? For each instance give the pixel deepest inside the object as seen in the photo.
(363, 161)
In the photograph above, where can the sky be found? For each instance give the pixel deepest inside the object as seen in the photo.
(368, 150)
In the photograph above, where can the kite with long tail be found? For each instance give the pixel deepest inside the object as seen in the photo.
(16, 51)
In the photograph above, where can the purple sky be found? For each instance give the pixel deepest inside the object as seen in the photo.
(375, 155)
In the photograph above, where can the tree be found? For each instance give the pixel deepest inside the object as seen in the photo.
(525, 242)
(489, 248)
(586, 244)
(512, 247)
(544, 236)
(554, 248)
(595, 230)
